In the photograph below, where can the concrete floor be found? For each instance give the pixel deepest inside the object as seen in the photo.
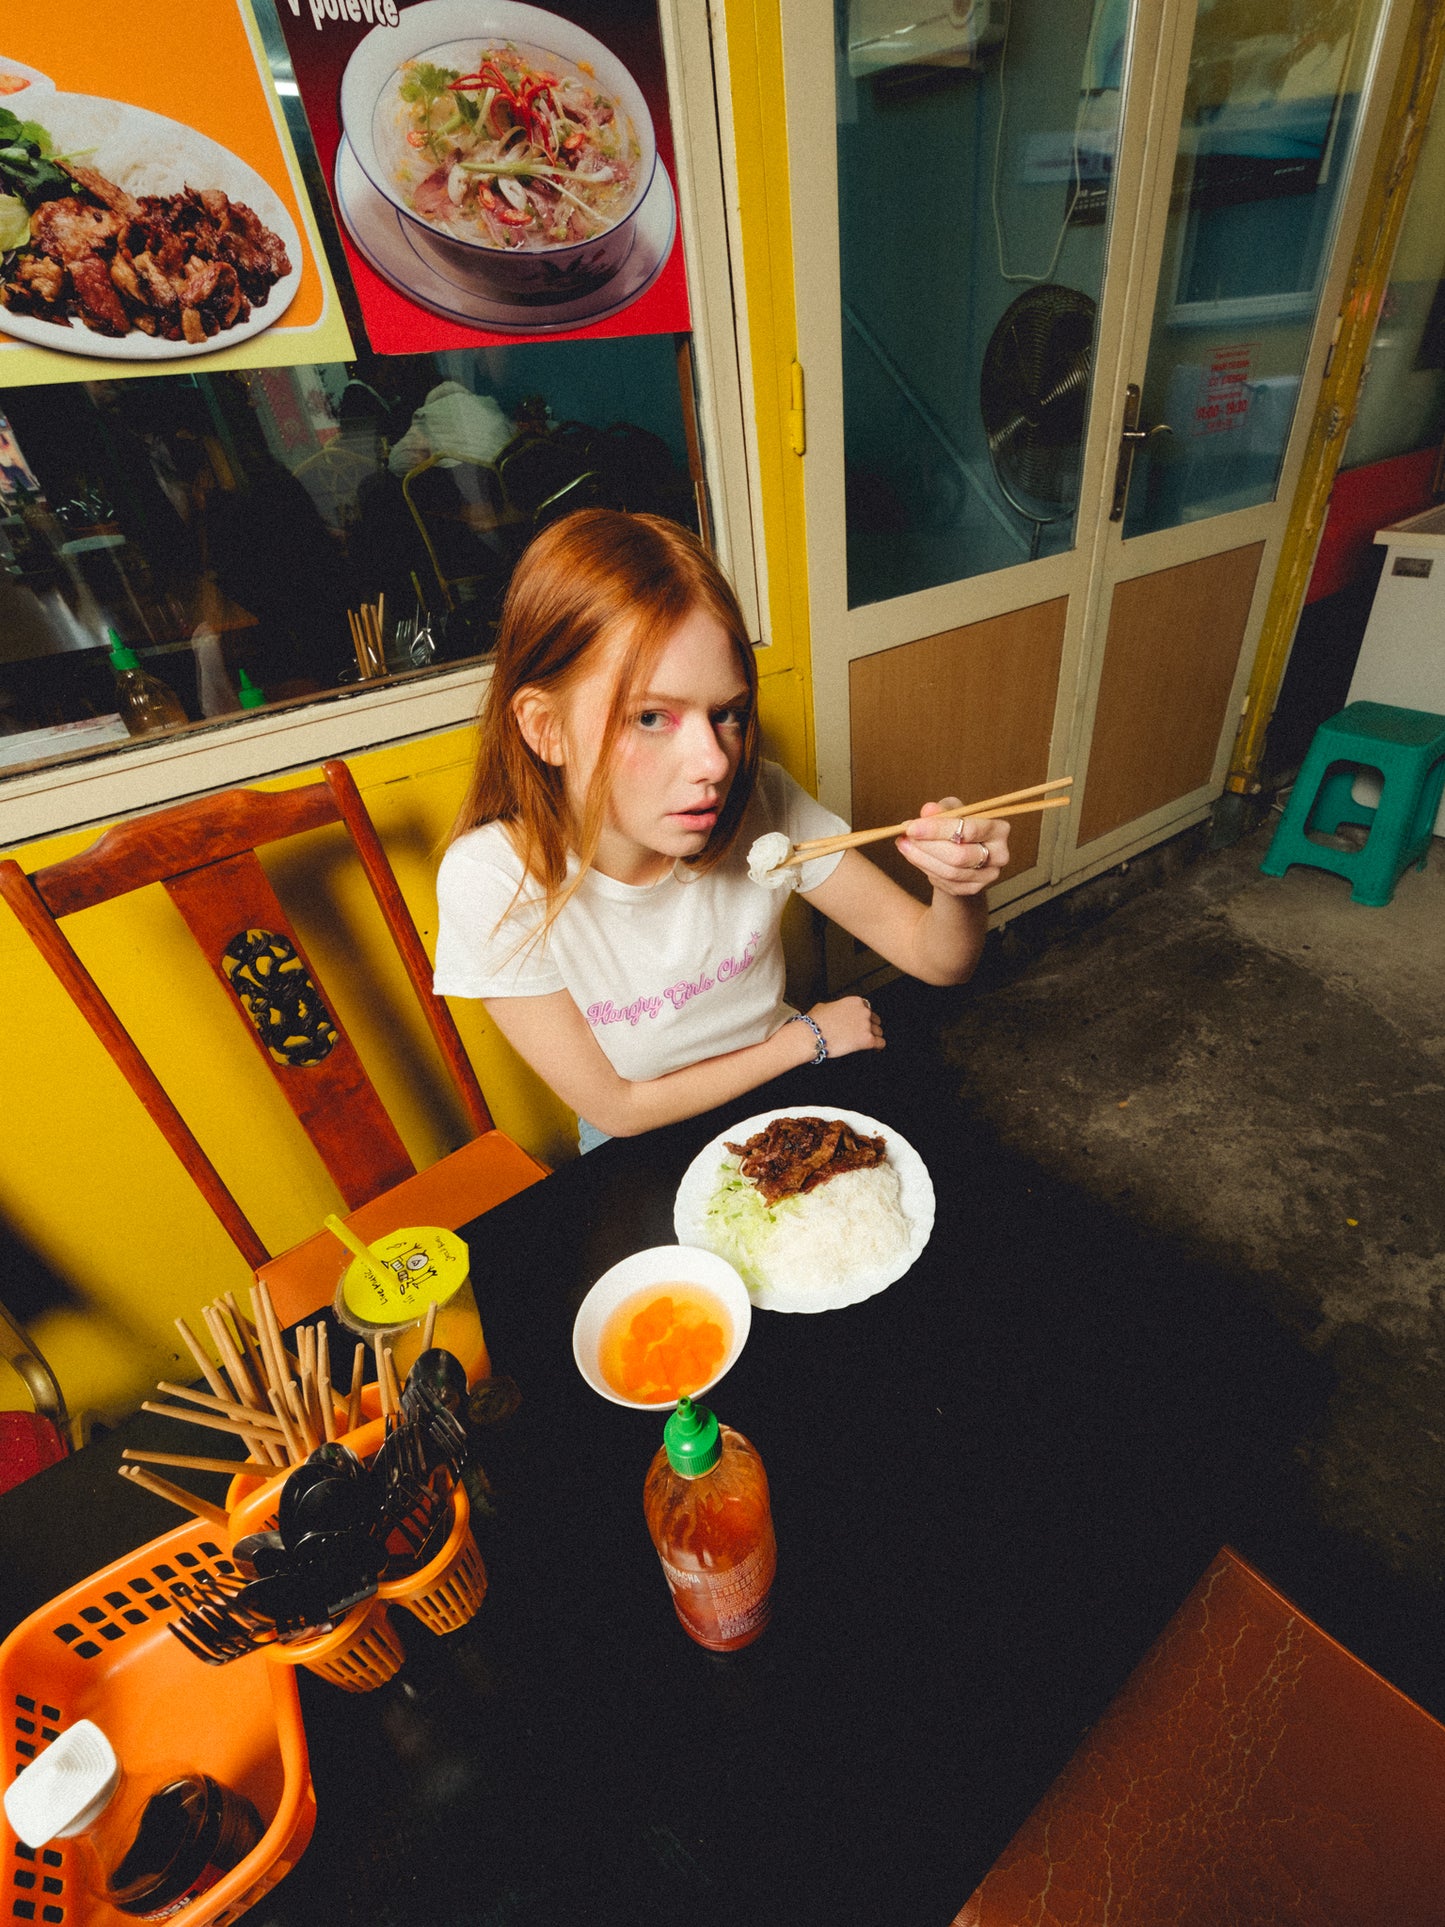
(1253, 1070)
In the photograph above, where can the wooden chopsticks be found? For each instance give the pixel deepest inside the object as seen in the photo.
(280, 1405)
(827, 845)
(214, 1515)
(368, 627)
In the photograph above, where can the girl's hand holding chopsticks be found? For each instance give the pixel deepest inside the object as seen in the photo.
(961, 855)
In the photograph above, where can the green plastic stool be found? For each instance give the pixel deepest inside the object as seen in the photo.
(1407, 749)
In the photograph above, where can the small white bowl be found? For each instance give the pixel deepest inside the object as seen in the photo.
(548, 274)
(660, 1265)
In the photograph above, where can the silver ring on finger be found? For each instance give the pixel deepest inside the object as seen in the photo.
(957, 836)
(983, 857)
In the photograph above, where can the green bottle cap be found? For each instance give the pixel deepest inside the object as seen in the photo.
(120, 656)
(693, 1441)
(250, 696)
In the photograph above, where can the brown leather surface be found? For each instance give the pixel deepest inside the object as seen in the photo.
(1252, 1773)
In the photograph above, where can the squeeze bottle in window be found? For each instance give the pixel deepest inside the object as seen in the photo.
(147, 1844)
(145, 703)
(706, 1503)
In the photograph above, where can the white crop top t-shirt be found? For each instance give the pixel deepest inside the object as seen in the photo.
(667, 974)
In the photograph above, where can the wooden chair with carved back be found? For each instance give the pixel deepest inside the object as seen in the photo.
(204, 854)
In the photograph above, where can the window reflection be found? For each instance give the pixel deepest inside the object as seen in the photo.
(1269, 128)
(224, 526)
(975, 154)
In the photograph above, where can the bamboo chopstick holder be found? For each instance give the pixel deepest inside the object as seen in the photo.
(188, 1502)
(854, 839)
(194, 1463)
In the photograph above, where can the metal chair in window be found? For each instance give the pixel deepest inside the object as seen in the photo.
(333, 477)
(542, 471)
(1251, 1771)
(462, 514)
(204, 854)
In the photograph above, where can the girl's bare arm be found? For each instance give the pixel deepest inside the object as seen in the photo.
(938, 942)
(554, 1037)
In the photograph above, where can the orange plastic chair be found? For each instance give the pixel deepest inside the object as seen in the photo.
(204, 853)
(1252, 1772)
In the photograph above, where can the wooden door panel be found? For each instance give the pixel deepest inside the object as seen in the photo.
(966, 713)
(1169, 662)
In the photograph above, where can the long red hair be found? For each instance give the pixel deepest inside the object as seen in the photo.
(593, 577)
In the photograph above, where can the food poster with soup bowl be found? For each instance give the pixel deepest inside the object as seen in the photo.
(500, 172)
(152, 212)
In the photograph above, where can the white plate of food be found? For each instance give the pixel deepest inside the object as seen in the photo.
(848, 1237)
(172, 246)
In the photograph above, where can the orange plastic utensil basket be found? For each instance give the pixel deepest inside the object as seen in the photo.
(101, 1652)
(359, 1655)
(448, 1589)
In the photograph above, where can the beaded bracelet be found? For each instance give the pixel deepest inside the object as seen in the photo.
(802, 1017)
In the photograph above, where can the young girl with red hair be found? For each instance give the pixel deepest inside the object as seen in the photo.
(596, 892)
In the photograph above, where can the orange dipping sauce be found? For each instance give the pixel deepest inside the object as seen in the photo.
(664, 1342)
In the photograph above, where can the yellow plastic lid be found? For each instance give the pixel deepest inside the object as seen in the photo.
(420, 1266)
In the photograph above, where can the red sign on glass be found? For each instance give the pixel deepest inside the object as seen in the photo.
(1222, 404)
(500, 172)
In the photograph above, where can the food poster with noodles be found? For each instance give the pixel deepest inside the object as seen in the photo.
(152, 213)
(500, 172)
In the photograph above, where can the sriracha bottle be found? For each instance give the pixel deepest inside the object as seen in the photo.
(706, 1502)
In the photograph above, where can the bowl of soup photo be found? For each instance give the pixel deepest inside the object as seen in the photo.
(664, 1324)
(516, 148)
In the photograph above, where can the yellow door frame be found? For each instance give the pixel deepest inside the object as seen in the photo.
(754, 38)
(1380, 225)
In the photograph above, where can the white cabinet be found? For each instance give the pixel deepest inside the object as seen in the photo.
(1402, 658)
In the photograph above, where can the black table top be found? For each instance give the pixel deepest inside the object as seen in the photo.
(992, 1484)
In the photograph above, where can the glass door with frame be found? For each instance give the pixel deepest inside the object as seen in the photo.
(990, 202)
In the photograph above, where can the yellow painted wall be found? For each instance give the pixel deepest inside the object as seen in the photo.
(87, 1183)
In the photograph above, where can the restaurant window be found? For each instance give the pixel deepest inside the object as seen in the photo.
(228, 528)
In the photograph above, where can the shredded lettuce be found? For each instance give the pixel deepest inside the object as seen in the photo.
(740, 1225)
(14, 223)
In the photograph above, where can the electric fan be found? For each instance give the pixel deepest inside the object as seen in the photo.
(1033, 392)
